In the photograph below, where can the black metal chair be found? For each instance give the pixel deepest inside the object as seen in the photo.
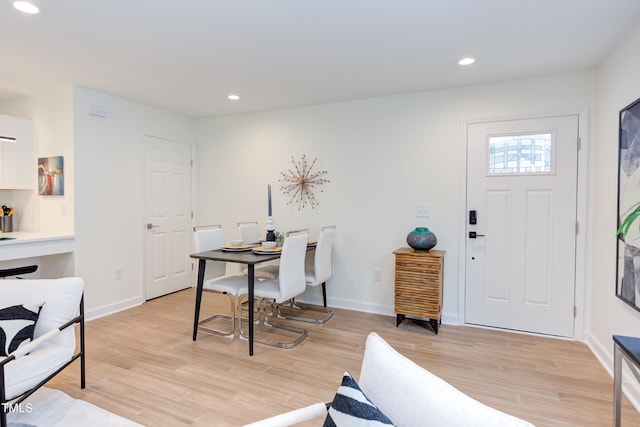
(16, 271)
(53, 347)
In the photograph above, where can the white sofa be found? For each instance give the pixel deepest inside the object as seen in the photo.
(408, 395)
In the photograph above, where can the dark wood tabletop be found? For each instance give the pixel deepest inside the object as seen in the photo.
(242, 257)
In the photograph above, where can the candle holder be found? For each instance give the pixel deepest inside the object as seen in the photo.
(271, 231)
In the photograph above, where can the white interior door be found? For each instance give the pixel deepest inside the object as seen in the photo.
(522, 184)
(167, 216)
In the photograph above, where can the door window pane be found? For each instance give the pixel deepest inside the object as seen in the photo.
(521, 154)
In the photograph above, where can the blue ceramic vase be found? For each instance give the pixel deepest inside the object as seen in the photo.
(421, 239)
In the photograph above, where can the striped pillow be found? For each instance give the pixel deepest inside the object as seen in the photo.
(350, 407)
(17, 325)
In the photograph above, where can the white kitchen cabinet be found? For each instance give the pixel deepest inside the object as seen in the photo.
(17, 153)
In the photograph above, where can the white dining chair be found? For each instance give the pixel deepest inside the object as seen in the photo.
(270, 270)
(249, 231)
(207, 238)
(317, 273)
(290, 283)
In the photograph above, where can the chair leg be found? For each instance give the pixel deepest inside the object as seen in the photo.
(266, 324)
(302, 307)
(229, 333)
(83, 362)
(324, 293)
(292, 304)
(3, 404)
(298, 307)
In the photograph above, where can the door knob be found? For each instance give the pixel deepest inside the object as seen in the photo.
(473, 235)
(150, 226)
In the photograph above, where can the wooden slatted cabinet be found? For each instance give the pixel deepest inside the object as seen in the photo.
(418, 285)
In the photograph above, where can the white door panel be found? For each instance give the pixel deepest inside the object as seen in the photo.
(521, 266)
(158, 246)
(168, 211)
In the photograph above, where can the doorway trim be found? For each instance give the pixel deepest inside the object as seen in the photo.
(581, 213)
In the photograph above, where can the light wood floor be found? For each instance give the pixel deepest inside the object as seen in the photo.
(143, 365)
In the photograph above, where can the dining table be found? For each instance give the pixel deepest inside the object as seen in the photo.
(247, 257)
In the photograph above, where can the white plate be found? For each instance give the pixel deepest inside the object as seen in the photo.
(264, 251)
(231, 248)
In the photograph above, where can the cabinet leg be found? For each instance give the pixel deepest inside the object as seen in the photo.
(399, 319)
(434, 325)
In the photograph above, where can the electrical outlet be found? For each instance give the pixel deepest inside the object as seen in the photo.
(423, 211)
(117, 273)
(377, 275)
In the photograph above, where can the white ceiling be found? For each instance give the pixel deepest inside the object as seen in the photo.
(187, 56)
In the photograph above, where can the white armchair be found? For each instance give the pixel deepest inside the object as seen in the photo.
(405, 393)
(53, 347)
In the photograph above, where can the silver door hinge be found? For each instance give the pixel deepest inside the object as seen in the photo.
(191, 162)
(577, 227)
(575, 311)
(579, 143)
(191, 214)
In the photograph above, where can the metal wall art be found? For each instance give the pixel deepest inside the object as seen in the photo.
(301, 183)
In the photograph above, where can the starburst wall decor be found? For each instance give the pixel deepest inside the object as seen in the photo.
(301, 182)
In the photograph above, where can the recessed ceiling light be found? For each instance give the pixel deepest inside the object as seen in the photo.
(233, 97)
(26, 7)
(466, 61)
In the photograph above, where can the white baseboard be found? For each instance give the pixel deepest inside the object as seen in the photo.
(105, 310)
(451, 319)
(383, 309)
(604, 354)
(347, 304)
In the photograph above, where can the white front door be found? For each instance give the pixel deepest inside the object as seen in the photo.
(167, 216)
(522, 186)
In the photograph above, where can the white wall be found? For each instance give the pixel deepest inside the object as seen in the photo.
(384, 156)
(54, 123)
(109, 193)
(52, 113)
(618, 86)
(103, 200)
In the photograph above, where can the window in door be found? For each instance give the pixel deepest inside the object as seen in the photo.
(521, 154)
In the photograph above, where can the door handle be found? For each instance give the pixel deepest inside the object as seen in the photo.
(473, 235)
(150, 226)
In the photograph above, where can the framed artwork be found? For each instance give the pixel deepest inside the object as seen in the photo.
(51, 176)
(628, 251)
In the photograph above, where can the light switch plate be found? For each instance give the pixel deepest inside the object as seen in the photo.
(423, 211)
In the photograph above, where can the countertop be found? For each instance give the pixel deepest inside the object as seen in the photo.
(28, 245)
